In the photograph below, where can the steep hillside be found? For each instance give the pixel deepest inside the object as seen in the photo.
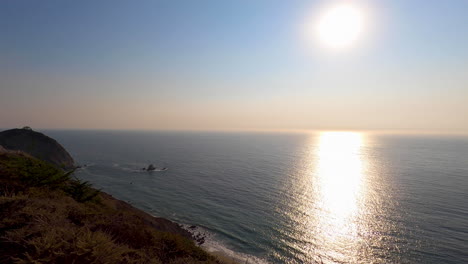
(37, 145)
(47, 216)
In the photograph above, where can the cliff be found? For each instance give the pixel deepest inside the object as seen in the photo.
(38, 145)
(47, 216)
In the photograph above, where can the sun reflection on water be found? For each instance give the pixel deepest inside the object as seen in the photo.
(336, 206)
(339, 171)
(326, 202)
(338, 188)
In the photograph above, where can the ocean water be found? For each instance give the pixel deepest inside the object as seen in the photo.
(331, 197)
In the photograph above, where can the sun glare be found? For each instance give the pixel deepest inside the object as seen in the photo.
(340, 176)
(340, 26)
(340, 170)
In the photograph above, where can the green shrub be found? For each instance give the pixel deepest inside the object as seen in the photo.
(81, 191)
(29, 172)
(22, 173)
(46, 217)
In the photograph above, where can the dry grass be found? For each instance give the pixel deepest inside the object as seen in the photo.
(46, 217)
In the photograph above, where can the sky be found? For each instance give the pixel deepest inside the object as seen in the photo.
(231, 65)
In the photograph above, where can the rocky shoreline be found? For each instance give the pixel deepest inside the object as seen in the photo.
(198, 237)
(158, 223)
(48, 216)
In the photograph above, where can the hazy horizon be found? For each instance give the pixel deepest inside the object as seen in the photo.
(257, 131)
(232, 66)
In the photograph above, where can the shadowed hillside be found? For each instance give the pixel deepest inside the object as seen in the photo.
(37, 145)
(46, 216)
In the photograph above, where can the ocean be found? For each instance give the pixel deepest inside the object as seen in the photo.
(325, 197)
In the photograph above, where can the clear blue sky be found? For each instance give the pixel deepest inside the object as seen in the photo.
(230, 65)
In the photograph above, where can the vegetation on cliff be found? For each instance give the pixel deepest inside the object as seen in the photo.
(46, 216)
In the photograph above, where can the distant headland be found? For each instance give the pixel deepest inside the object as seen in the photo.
(37, 145)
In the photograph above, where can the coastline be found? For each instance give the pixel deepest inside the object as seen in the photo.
(192, 232)
(216, 247)
(198, 234)
(48, 217)
(123, 211)
(158, 223)
(195, 233)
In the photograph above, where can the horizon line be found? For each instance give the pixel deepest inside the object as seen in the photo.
(280, 131)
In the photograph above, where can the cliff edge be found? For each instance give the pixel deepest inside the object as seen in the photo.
(37, 145)
(48, 216)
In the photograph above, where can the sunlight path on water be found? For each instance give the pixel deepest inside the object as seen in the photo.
(339, 175)
(328, 200)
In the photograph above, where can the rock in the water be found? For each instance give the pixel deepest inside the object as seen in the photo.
(201, 241)
(37, 145)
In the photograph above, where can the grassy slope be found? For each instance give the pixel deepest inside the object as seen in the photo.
(47, 217)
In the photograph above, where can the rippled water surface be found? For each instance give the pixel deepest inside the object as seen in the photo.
(334, 197)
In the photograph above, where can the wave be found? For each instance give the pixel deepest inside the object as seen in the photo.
(135, 168)
(216, 247)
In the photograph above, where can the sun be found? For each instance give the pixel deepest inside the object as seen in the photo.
(340, 26)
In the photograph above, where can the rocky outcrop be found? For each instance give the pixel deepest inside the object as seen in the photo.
(37, 145)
